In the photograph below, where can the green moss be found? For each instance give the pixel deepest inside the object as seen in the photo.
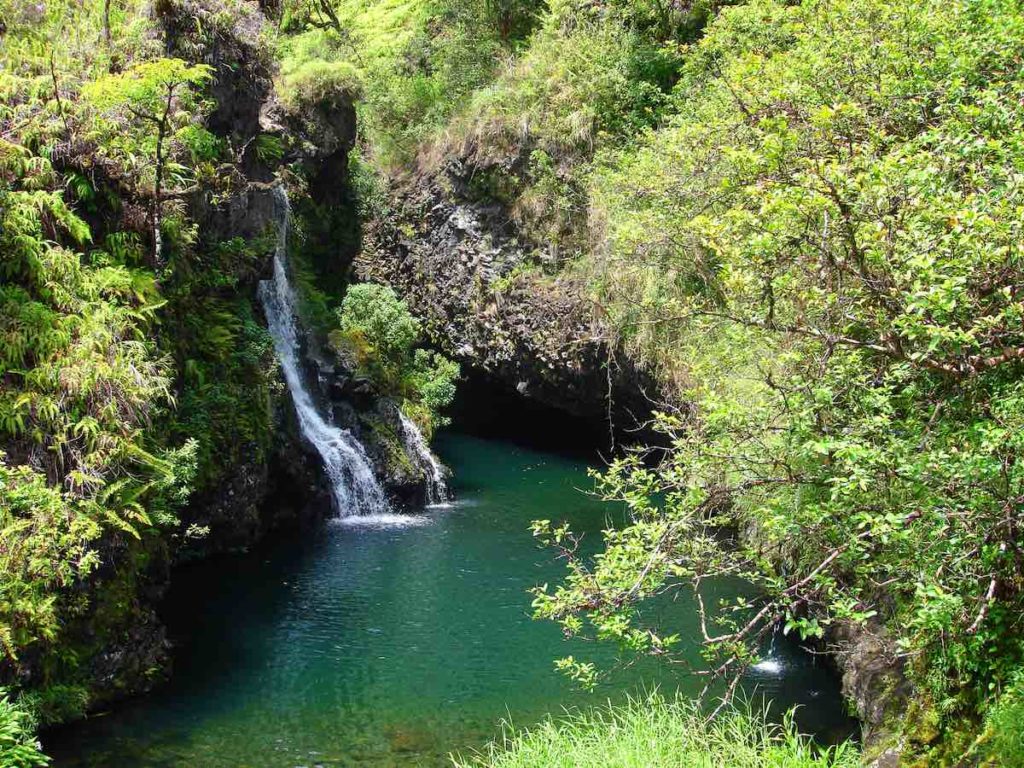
(1002, 741)
(315, 82)
(921, 723)
(386, 435)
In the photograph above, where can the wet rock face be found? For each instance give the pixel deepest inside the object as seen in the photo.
(133, 662)
(379, 429)
(283, 490)
(232, 38)
(466, 275)
(874, 681)
(376, 422)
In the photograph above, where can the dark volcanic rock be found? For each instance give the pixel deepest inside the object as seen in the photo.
(133, 661)
(463, 271)
(374, 421)
(232, 40)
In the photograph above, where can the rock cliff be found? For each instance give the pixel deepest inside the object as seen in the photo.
(463, 270)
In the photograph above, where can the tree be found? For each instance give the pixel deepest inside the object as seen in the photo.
(826, 242)
(377, 336)
(321, 15)
(157, 99)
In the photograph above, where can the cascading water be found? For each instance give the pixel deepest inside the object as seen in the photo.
(771, 664)
(353, 485)
(416, 446)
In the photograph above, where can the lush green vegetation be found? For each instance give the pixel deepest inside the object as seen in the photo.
(819, 252)
(133, 373)
(18, 745)
(377, 338)
(136, 372)
(804, 217)
(655, 733)
(413, 61)
(1002, 741)
(83, 379)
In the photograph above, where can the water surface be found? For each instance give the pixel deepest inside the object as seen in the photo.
(390, 645)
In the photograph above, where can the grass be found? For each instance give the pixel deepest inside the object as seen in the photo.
(1002, 741)
(658, 733)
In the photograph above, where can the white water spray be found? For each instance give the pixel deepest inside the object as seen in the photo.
(353, 485)
(417, 448)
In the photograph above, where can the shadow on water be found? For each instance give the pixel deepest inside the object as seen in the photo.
(383, 645)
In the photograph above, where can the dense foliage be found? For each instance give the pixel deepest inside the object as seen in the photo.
(821, 251)
(18, 745)
(803, 217)
(377, 337)
(413, 61)
(83, 380)
(113, 314)
(653, 732)
(150, 110)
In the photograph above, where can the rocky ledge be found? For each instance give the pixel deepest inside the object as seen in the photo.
(462, 269)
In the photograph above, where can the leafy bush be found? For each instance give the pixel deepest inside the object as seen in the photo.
(18, 745)
(579, 84)
(380, 330)
(377, 336)
(655, 733)
(433, 378)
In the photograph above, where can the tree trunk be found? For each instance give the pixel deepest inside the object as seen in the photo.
(106, 22)
(158, 182)
(158, 243)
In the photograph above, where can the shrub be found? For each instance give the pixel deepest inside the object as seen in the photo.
(314, 83)
(18, 745)
(377, 327)
(377, 336)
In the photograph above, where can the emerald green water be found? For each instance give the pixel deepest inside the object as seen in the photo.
(391, 646)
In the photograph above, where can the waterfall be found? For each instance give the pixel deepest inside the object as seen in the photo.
(353, 485)
(772, 664)
(419, 451)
